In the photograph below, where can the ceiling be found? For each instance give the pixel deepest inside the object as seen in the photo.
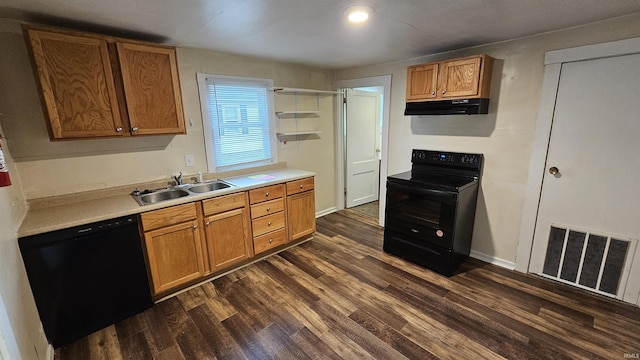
(315, 32)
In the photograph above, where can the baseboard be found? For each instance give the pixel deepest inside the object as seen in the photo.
(493, 260)
(326, 212)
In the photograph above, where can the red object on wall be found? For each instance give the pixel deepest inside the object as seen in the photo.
(4, 170)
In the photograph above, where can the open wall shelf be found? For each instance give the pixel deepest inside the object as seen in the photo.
(297, 133)
(281, 114)
(299, 113)
(285, 90)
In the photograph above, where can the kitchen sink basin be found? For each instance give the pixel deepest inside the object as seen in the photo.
(209, 186)
(162, 195)
(148, 197)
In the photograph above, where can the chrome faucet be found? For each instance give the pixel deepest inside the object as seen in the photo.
(178, 178)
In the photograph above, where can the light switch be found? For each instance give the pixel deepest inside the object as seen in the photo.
(188, 160)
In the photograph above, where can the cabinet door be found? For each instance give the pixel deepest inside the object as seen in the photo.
(301, 214)
(228, 238)
(175, 256)
(422, 82)
(151, 88)
(460, 78)
(77, 86)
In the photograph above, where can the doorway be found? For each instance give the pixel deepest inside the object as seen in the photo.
(363, 139)
(362, 162)
(581, 223)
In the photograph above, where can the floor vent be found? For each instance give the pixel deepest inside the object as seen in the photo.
(590, 261)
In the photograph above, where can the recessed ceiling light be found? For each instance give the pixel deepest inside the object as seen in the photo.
(358, 14)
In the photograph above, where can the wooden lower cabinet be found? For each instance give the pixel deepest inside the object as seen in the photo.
(227, 232)
(174, 249)
(270, 240)
(187, 243)
(268, 219)
(301, 208)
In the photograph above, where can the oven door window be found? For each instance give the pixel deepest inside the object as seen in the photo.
(425, 214)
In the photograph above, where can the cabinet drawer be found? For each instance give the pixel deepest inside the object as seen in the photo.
(294, 187)
(266, 193)
(169, 216)
(269, 241)
(224, 203)
(267, 207)
(267, 223)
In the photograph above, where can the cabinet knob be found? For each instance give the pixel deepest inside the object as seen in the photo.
(207, 223)
(195, 226)
(433, 93)
(134, 129)
(118, 129)
(444, 91)
(269, 223)
(301, 186)
(270, 241)
(266, 194)
(269, 208)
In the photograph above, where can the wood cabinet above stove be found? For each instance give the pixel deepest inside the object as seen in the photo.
(463, 78)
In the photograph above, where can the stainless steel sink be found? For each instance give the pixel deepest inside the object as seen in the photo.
(161, 195)
(148, 197)
(209, 186)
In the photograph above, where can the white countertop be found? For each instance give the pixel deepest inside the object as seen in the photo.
(64, 216)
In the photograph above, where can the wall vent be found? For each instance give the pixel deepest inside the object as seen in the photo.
(590, 261)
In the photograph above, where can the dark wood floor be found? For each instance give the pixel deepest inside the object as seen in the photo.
(340, 296)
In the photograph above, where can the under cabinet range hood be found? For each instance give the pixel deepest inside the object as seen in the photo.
(448, 107)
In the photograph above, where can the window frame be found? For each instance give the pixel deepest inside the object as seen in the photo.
(208, 129)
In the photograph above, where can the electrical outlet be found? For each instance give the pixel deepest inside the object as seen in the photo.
(188, 160)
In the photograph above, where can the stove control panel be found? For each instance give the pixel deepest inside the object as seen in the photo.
(446, 158)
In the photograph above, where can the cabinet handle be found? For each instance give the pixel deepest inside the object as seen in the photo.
(269, 208)
(270, 241)
(269, 223)
(444, 91)
(118, 129)
(134, 129)
(301, 186)
(195, 226)
(433, 93)
(266, 194)
(207, 223)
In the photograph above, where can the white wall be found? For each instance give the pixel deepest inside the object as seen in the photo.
(19, 321)
(505, 135)
(56, 168)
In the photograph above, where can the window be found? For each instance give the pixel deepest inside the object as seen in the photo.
(237, 119)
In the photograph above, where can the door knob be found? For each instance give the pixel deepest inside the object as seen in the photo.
(553, 170)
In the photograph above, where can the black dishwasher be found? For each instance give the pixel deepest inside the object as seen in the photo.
(87, 277)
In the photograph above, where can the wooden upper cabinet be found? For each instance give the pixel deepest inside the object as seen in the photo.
(460, 78)
(77, 85)
(98, 86)
(422, 82)
(468, 77)
(151, 88)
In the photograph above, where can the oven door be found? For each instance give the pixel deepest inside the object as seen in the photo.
(420, 214)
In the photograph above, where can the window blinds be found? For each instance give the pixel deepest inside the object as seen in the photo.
(239, 118)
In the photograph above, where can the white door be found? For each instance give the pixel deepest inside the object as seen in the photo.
(362, 152)
(588, 221)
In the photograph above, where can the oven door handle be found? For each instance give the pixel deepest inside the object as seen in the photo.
(431, 193)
